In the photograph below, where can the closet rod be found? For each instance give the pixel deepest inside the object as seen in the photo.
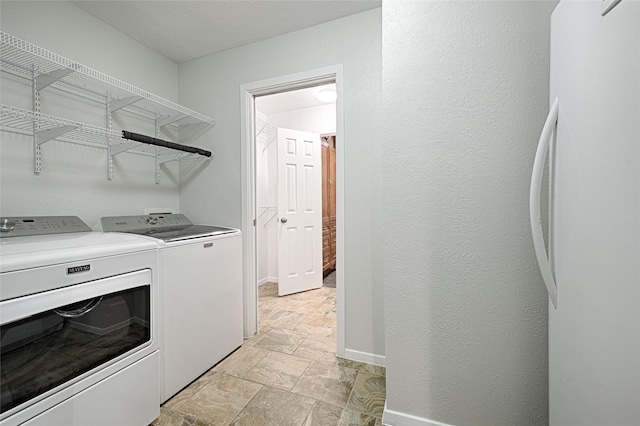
(159, 142)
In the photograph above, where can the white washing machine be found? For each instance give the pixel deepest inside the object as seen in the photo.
(78, 321)
(200, 293)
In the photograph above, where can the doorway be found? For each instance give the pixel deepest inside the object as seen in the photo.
(251, 208)
(308, 115)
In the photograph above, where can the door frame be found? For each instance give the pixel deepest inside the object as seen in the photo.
(248, 92)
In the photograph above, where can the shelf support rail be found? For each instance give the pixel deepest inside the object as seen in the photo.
(109, 123)
(39, 82)
(157, 151)
(114, 149)
(35, 107)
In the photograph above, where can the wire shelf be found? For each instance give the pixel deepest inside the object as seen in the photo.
(25, 58)
(27, 122)
(23, 121)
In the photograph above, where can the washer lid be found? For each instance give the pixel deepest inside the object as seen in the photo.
(18, 253)
(168, 228)
(186, 233)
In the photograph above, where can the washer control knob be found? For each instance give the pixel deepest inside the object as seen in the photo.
(7, 225)
(152, 220)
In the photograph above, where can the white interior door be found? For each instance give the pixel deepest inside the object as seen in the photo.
(299, 212)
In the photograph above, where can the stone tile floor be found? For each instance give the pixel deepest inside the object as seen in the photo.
(288, 374)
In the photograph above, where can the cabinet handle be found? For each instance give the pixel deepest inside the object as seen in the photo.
(534, 204)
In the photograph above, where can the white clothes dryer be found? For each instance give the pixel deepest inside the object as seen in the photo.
(78, 322)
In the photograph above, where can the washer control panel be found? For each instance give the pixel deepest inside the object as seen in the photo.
(40, 225)
(137, 224)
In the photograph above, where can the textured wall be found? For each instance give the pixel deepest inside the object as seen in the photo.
(74, 178)
(465, 88)
(212, 84)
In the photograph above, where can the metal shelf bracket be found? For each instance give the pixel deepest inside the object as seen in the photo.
(268, 144)
(170, 119)
(170, 157)
(273, 216)
(49, 78)
(119, 148)
(46, 135)
(261, 129)
(121, 103)
(115, 149)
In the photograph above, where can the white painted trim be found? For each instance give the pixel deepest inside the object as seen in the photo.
(340, 262)
(294, 81)
(249, 255)
(267, 280)
(395, 418)
(247, 140)
(365, 357)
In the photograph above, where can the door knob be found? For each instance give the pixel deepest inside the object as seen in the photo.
(283, 220)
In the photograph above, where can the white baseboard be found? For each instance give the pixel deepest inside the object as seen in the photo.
(395, 418)
(267, 280)
(364, 357)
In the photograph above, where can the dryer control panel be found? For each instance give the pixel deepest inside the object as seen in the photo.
(40, 225)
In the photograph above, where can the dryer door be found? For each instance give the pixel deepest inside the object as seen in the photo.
(53, 339)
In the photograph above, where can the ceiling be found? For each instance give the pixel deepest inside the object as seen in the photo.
(182, 30)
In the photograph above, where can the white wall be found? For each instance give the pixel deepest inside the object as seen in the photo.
(74, 179)
(319, 119)
(465, 92)
(212, 85)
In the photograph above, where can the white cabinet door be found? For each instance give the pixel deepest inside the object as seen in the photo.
(594, 334)
(299, 212)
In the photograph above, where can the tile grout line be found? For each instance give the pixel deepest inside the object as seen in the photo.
(298, 379)
(352, 389)
(248, 402)
(259, 361)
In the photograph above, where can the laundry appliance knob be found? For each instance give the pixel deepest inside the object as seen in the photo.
(7, 225)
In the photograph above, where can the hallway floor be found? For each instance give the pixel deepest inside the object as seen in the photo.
(330, 280)
(288, 374)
